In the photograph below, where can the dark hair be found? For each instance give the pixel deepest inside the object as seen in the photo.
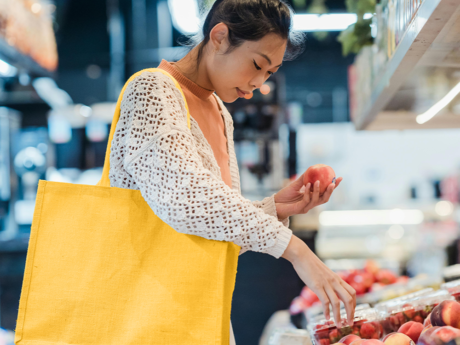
(251, 20)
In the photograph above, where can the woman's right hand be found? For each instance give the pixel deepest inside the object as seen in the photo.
(327, 285)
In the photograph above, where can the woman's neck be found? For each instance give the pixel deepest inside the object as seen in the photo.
(199, 75)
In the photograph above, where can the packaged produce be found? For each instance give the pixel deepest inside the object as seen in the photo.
(380, 306)
(453, 288)
(343, 313)
(365, 325)
(289, 336)
(451, 273)
(394, 314)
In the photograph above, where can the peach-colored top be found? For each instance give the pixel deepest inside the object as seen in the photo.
(206, 112)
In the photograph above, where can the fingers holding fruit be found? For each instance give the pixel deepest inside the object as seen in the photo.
(348, 295)
(335, 303)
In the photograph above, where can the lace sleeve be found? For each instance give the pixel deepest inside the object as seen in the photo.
(165, 165)
(269, 207)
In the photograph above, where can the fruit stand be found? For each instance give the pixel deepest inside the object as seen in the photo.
(425, 313)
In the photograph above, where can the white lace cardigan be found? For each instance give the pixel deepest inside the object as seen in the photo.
(174, 167)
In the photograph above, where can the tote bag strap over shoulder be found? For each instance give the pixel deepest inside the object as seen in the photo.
(105, 182)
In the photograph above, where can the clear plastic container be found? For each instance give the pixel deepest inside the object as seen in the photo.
(381, 306)
(453, 288)
(343, 312)
(365, 324)
(451, 273)
(395, 313)
(288, 336)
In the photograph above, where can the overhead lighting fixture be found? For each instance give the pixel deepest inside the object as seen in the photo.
(370, 217)
(444, 208)
(186, 19)
(185, 15)
(435, 109)
(325, 22)
(6, 70)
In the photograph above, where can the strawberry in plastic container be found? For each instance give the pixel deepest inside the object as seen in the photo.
(396, 313)
(365, 325)
(453, 288)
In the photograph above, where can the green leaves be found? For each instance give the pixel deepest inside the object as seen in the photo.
(360, 7)
(357, 35)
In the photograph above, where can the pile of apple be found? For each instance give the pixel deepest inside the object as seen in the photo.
(441, 327)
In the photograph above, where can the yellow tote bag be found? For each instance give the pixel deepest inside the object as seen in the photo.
(103, 269)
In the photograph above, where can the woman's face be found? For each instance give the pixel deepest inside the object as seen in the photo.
(245, 68)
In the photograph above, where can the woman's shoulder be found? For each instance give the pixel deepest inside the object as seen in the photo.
(152, 87)
(154, 78)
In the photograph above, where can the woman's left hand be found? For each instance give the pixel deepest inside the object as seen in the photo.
(298, 199)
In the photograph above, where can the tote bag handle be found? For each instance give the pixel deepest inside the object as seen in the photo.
(105, 182)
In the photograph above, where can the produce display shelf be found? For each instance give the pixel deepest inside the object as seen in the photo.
(23, 62)
(434, 18)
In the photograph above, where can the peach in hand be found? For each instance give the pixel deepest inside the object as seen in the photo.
(412, 330)
(319, 172)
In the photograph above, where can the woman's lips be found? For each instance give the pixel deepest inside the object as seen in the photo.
(241, 93)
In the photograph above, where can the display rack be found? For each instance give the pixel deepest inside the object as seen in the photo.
(431, 36)
(10, 55)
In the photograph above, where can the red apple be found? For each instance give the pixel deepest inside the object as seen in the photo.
(319, 172)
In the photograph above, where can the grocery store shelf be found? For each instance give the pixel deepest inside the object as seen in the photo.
(12, 56)
(386, 120)
(430, 39)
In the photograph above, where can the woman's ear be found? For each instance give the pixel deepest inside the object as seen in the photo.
(218, 37)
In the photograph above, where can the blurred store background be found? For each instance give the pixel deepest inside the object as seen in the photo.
(374, 95)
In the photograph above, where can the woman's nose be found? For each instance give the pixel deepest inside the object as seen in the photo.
(256, 83)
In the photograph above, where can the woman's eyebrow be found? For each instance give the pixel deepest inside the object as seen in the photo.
(267, 58)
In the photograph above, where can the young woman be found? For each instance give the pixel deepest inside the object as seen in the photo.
(153, 150)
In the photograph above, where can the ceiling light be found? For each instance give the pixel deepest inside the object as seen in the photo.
(185, 15)
(6, 70)
(435, 109)
(323, 22)
(444, 208)
(185, 18)
(396, 232)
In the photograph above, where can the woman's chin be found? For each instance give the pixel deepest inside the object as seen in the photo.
(228, 98)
